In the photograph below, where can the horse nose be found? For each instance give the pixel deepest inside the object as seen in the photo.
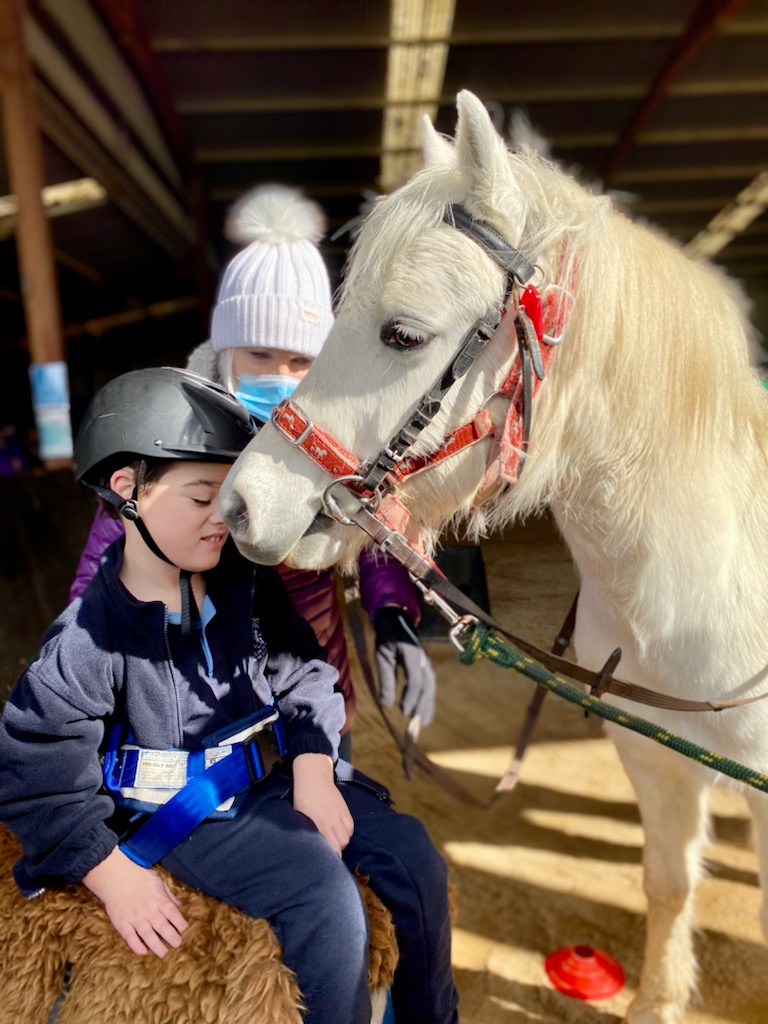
(235, 514)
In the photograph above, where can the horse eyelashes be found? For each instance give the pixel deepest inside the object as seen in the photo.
(402, 338)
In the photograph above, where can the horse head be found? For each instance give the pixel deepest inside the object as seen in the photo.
(413, 286)
(451, 252)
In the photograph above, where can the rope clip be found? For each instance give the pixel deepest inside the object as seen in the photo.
(460, 625)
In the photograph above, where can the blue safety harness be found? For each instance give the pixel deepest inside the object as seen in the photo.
(217, 779)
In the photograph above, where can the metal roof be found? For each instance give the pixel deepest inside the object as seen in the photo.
(178, 106)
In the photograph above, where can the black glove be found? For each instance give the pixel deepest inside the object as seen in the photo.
(397, 644)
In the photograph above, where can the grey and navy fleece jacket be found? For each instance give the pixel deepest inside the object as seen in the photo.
(110, 658)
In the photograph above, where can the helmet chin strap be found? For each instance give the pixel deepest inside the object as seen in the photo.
(129, 509)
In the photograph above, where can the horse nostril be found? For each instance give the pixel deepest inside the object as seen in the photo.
(235, 514)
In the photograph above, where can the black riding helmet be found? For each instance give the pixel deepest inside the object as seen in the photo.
(161, 413)
(158, 413)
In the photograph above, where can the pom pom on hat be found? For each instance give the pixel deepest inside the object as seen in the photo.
(275, 214)
(275, 293)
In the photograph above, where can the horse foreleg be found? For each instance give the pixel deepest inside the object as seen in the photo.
(672, 794)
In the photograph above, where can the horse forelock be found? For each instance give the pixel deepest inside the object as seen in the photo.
(395, 223)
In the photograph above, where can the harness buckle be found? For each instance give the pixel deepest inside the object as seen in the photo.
(604, 678)
(261, 739)
(395, 456)
(278, 411)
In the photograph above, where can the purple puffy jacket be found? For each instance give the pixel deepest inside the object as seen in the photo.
(313, 594)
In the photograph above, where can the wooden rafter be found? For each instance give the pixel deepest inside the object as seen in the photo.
(707, 20)
(126, 26)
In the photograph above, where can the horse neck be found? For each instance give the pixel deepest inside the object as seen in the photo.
(649, 414)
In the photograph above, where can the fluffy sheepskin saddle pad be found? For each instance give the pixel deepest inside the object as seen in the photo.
(60, 953)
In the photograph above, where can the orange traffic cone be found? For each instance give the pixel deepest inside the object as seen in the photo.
(584, 972)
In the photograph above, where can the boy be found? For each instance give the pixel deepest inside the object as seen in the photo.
(178, 639)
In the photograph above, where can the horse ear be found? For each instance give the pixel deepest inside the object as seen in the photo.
(480, 147)
(437, 149)
(485, 165)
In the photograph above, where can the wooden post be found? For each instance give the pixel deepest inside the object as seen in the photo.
(24, 155)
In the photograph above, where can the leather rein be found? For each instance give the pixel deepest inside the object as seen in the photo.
(367, 491)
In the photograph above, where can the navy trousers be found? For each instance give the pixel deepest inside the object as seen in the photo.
(270, 861)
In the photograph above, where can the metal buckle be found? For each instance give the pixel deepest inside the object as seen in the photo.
(498, 393)
(295, 441)
(396, 457)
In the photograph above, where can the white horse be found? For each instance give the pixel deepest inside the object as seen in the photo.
(648, 442)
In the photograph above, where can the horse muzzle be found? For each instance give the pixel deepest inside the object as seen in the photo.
(322, 542)
(265, 547)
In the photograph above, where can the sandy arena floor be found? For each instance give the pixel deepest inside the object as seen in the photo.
(559, 861)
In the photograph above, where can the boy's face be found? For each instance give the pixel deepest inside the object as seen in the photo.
(181, 511)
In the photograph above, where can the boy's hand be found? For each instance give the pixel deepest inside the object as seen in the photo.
(139, 904)
(315, 794)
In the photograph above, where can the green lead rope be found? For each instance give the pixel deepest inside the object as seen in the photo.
(485, 643)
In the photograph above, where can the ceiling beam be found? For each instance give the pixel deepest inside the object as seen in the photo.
(126, 26)
(419, 30)
(687, 231)
(576, 93)
(742, 271)
(692, 205)
(255, 154)
(580, 31)
(744, 250)
(97, 326)
(706, 21)
(664, 137)
(720, 86)
(87, 35)
(82, 126)
(559, 143)
(124, 21)
(748, 205)
(229, 194)
(59, 200)
(67, 132)
(699, 172)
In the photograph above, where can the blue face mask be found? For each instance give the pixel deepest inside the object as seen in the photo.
(260, 394)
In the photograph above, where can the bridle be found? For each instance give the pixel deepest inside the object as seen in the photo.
(375, 482)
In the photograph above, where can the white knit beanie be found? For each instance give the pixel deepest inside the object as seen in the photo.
(276, 292)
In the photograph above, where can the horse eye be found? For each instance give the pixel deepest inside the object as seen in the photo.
(403, 338)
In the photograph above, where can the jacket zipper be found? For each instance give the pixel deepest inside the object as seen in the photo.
(179, 735)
